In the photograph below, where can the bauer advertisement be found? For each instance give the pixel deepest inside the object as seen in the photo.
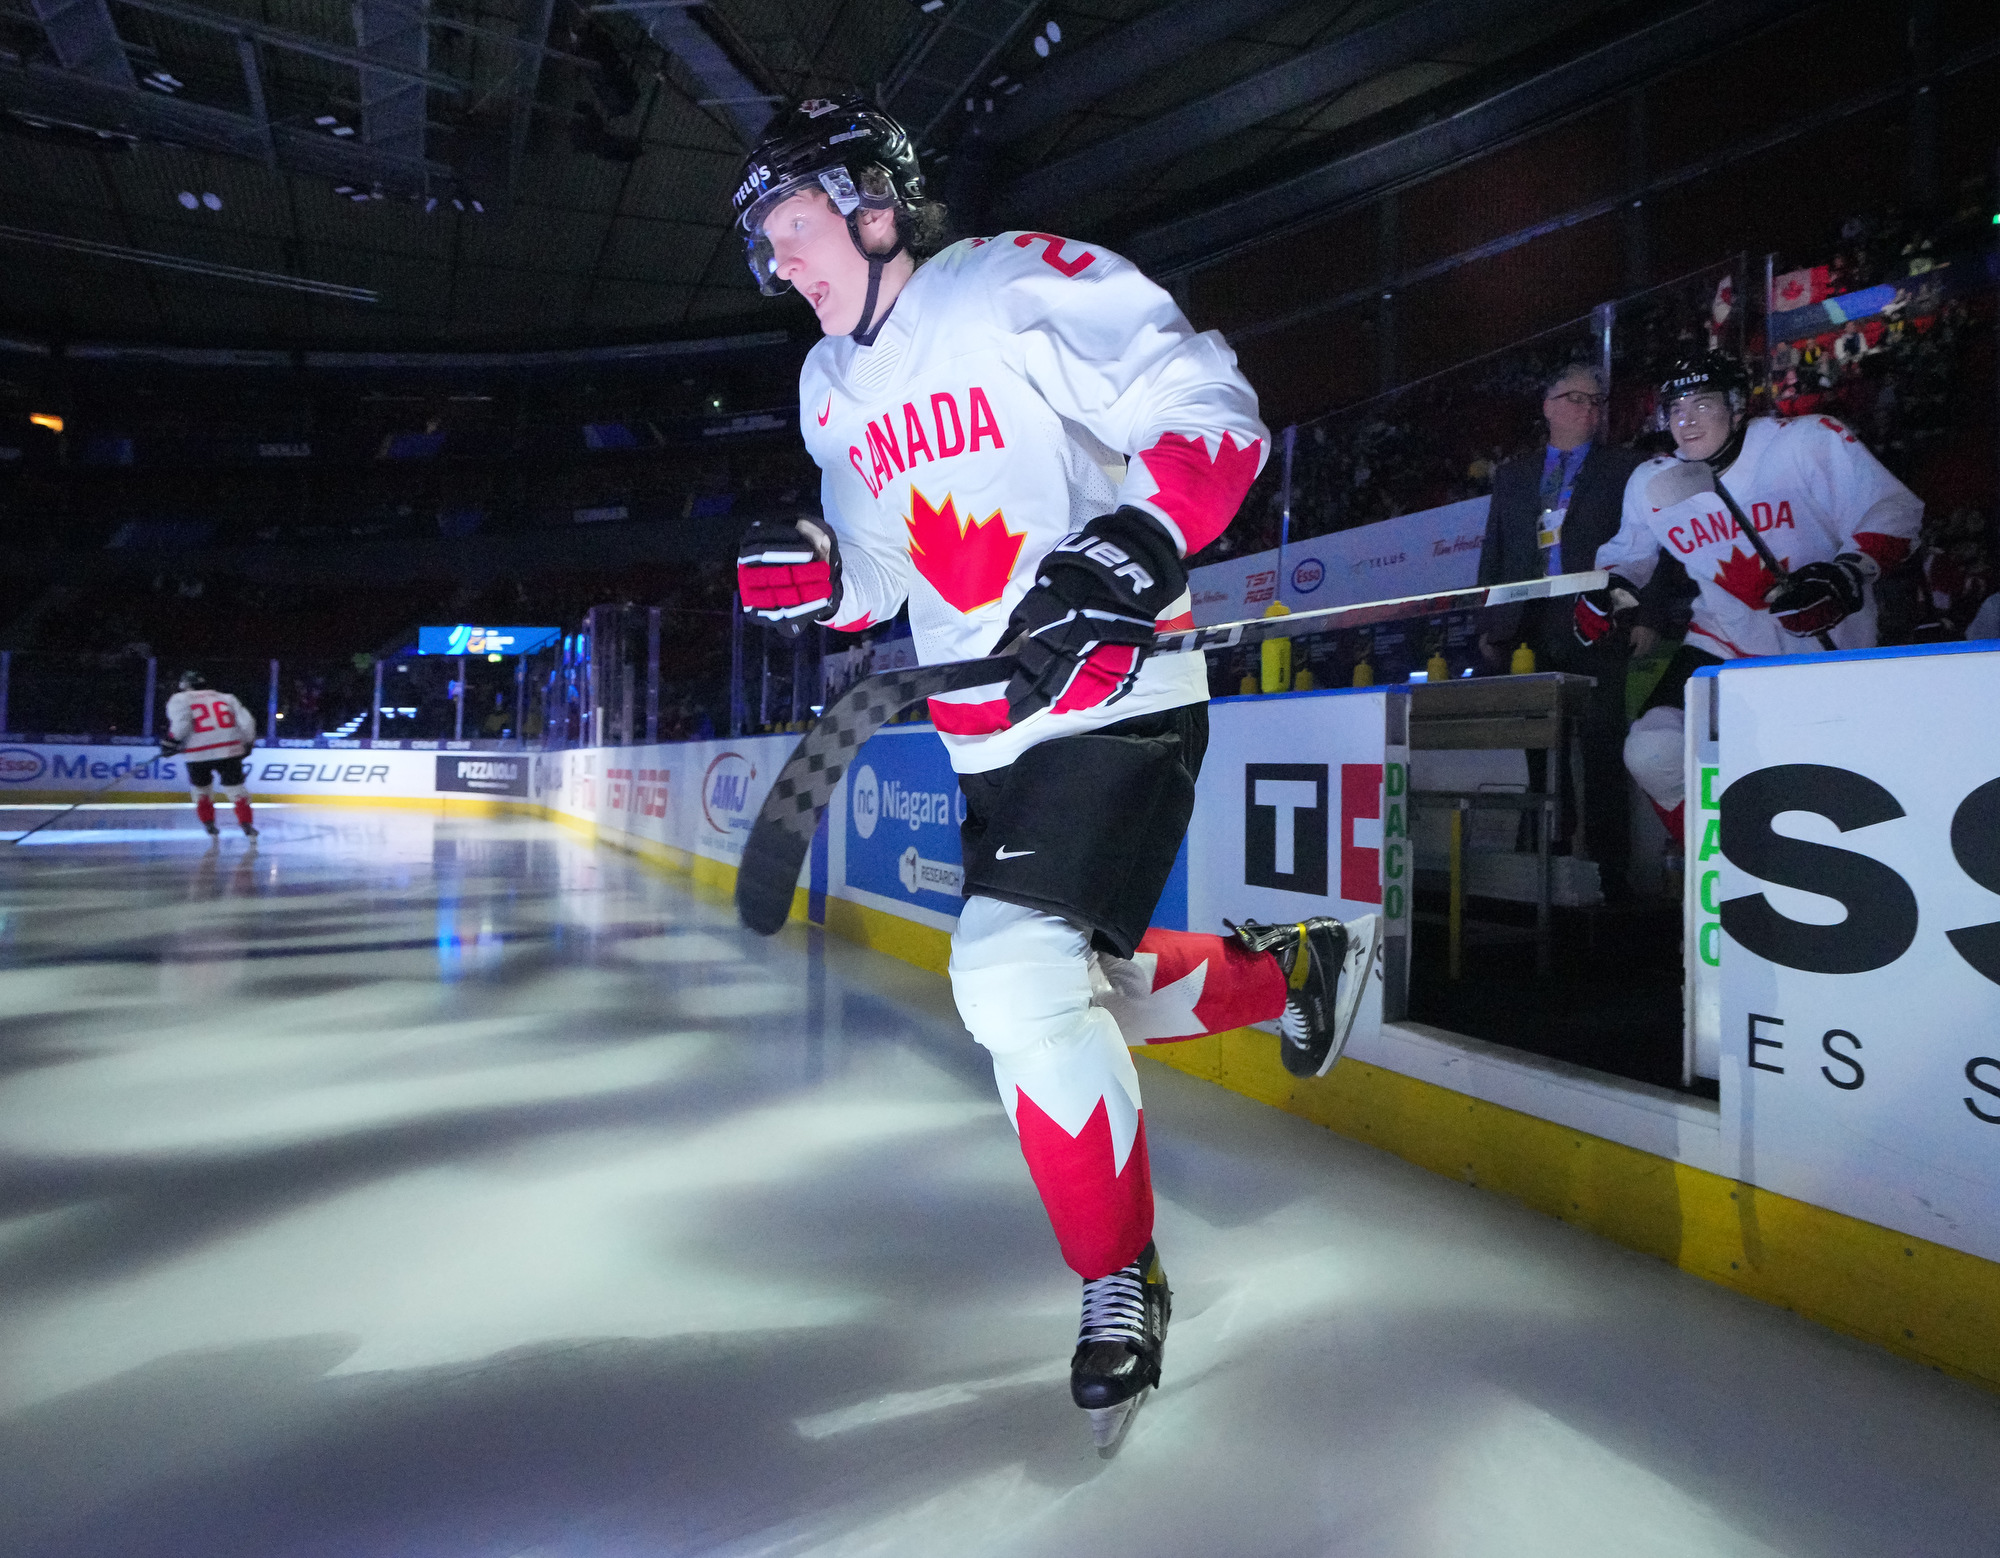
(1860, 910)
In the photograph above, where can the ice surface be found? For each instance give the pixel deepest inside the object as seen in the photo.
(456, 1189)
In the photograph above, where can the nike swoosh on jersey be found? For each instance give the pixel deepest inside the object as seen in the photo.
(826, 413)
(1004, 853)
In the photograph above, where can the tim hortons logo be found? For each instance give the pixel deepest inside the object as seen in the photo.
(968, 564)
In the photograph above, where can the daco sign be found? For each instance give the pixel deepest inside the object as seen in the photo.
(1859, 901)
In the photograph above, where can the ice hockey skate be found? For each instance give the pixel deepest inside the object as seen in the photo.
(1119, 1345)
(1326, 968)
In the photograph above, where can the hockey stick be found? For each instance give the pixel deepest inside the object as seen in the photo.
(1695, 471)
(89, 795)
(782, 834)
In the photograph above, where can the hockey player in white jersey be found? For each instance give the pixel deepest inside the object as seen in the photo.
(212, 732)
(1830, 514)
(1023, 439)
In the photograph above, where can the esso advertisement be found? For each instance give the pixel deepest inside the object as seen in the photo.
(1412, 554)
(85, 768)
(903, 812)
(1858, 892)
(21, 765)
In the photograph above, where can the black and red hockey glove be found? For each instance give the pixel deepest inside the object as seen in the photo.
(1596, 611)
(789, 575)
(1089, 620)
(1815, 597)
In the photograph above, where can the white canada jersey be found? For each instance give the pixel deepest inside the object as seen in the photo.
(210, 725)
(1811, 489)
(1021, 386)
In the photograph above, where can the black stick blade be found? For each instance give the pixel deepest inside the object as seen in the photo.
(782, 835)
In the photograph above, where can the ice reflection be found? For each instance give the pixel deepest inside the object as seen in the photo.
(426, 1187)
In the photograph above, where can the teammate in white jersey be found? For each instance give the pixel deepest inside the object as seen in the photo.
(213, 733)
(1023, 439)
(1831, 515)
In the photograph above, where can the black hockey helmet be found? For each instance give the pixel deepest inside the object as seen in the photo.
(1705, 371)
(191, 679)
(860, 156)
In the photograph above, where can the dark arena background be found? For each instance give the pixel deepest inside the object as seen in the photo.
(435, 1166)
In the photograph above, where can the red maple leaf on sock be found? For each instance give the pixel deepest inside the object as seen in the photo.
(1201, 495)
(970, 564)
(1746, 578)
(1102, 1214)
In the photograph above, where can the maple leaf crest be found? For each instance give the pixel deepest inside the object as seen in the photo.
(1201, 495)
(968, 564)
(1746, 578)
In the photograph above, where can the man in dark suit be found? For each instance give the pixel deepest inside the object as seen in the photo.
(1551, 511)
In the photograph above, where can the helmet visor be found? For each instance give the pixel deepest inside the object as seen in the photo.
(763, 262)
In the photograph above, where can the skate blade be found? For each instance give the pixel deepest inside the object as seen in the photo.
(1108, 1424)
(1357, 968)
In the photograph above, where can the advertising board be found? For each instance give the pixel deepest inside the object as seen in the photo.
(275, 773)
(484, 773)
(1859, 901)
(1435, 549)
(1288, 817)
(899, 827)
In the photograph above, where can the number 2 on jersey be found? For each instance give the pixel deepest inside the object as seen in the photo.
(1052, 252)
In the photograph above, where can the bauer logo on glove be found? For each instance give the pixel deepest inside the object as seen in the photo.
(1088, 623)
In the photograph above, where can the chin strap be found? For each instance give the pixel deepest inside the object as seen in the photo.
(864, 333)
(1724, 457)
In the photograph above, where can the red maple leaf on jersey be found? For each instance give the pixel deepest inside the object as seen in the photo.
(970, 564)
(1746, 578)
(1201, 495)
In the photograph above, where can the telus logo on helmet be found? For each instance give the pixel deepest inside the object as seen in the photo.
(756, 179)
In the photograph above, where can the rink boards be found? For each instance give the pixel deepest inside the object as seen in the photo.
(1844, 980)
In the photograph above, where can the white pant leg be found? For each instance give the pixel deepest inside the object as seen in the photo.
(1022, 980)
(1655, 755)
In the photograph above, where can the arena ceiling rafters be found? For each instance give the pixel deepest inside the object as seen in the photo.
(496, 174)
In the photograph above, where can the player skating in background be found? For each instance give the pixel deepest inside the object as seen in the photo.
(1023, 439)
(1830, 514)
(212, 732)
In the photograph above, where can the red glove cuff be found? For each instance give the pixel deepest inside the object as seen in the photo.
(784, 586)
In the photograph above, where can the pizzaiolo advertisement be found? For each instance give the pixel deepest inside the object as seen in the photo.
(1860, 964)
